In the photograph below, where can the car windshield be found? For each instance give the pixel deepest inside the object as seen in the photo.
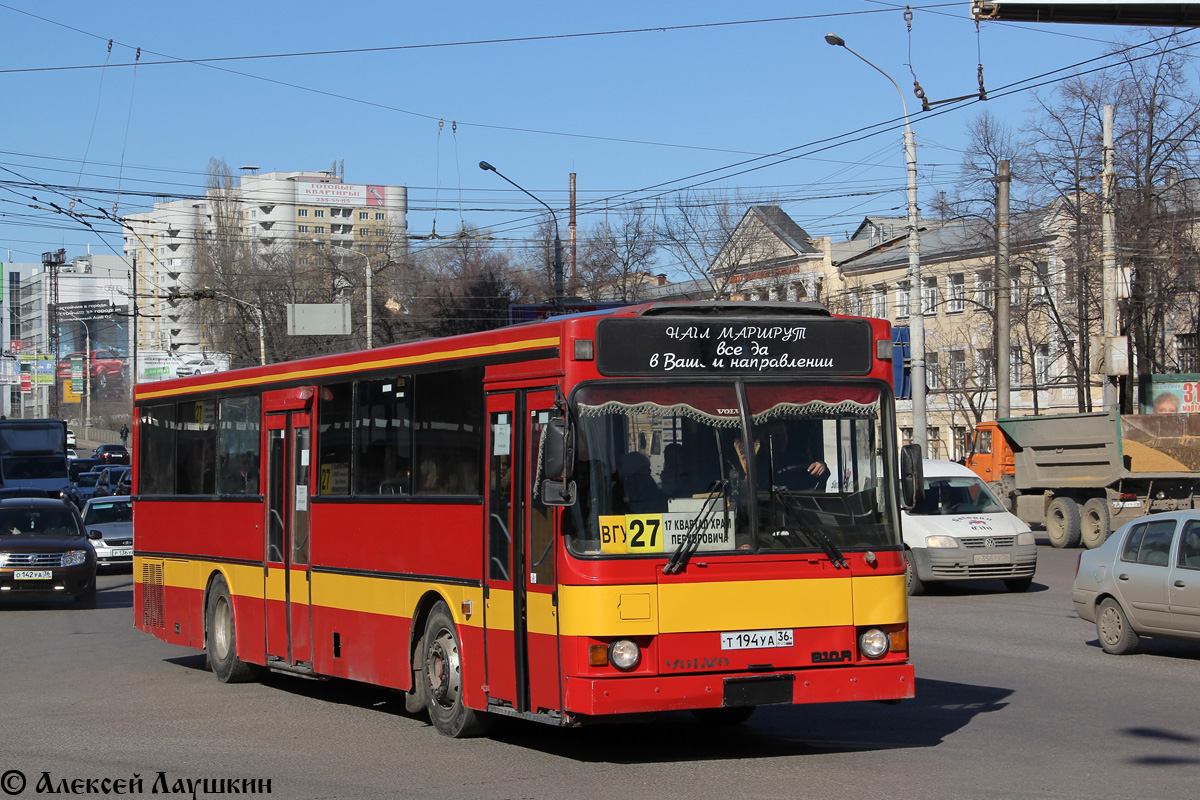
(957, 495)
(27, 467)
(675, 459)
(100, 513)
(89, 478)
(38, 522)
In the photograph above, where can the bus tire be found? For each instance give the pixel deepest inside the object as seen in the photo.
(221, 643)
(723, 716)
(444, 680)
(1094, 524)
(1062, 522)
(417, 698)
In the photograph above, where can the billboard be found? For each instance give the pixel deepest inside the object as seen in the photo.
(315, 193)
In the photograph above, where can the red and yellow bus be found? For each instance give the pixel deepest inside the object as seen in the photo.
(670, 506)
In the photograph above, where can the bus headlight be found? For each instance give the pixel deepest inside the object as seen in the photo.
(941, 541)
(873, 643)
(624, 654)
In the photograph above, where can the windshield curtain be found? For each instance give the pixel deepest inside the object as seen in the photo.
(654, 462)
(957, 495)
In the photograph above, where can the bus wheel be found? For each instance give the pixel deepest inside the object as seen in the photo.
(1062, 522)
(221, 644)
(1094, 523)
(723, 716)
(444, 680)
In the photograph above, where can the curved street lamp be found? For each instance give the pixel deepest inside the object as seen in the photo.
(558, 266)
(917, 320)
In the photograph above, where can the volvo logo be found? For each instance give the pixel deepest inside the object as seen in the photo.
(989, 542)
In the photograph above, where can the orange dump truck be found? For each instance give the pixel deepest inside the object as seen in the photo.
(1084, 475)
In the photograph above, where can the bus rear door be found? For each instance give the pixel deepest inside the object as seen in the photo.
(288, 578)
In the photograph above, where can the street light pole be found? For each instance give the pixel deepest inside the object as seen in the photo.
(262, 328)
(558, 265)
(916, 320)
(370, 311)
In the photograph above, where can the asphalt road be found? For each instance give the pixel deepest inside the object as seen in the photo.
(1015, 699)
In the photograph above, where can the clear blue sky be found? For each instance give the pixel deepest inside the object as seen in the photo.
(657, 104)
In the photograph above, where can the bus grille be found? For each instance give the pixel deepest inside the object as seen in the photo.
(152, 594)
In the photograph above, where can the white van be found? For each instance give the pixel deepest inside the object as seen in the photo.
(962, 532)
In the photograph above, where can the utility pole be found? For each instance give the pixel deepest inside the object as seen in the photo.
(1003, 348)
(1108, 229)
(574, 287)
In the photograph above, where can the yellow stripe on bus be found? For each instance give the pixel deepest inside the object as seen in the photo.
(646, 610)
(357, 366)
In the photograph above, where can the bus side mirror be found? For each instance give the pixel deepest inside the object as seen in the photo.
(560, 450)
(912, 476)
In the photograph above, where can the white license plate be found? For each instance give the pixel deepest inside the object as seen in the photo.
(752, 640)
(32, 575)
(122, 552)
(993, 558)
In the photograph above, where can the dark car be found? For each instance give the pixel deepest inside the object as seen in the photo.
(82, 489)
(81, 465)
(111, 454)
(111, 478)
(44, 551)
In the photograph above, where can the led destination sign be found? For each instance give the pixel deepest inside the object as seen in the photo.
(662, 346)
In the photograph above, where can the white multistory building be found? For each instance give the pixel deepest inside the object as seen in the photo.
(277, 212)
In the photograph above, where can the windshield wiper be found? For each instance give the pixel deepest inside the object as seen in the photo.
(814, 535)
(691, 540)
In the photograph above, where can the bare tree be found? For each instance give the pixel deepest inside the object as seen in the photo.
(616, 257)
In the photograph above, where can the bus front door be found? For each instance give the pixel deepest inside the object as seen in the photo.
(520, 614)
(288, 588)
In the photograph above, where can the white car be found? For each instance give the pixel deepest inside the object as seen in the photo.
(196, 365)
(70, 438)
(962, 532)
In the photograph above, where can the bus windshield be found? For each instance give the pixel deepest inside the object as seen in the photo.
(778, 467)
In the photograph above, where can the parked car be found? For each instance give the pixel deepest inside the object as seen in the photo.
(110, 479)
(111, 454)
(44, 551)
(962, 532)
(106, 368)
(109, 525)
(1143, 581)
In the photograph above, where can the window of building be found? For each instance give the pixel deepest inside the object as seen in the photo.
(935, 441)
(1016, 366)
(1041, 292)
(956, 369)
(363, 215)
(379, 231)
(956, 293)
(364, 231)
(985, 366)
(302, 228)
(1189, 358)
(1041, 363)
(929, 295)
(960, 442)
(985, 290)
(903, 298)
(932, 378)
(320, 212)
(879, 302)
(301, 212)
(379, 215)
(319, 229)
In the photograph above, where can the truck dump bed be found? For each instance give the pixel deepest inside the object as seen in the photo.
(1098, 449)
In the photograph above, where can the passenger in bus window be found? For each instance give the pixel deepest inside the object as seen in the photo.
(642, 494)
(248, 473)
(678, 475)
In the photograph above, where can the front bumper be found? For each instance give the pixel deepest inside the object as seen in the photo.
(974, 563)
(64, 582)
(628, 694)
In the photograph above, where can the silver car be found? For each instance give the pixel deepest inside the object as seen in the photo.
(1143, 581)
(109, 525)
